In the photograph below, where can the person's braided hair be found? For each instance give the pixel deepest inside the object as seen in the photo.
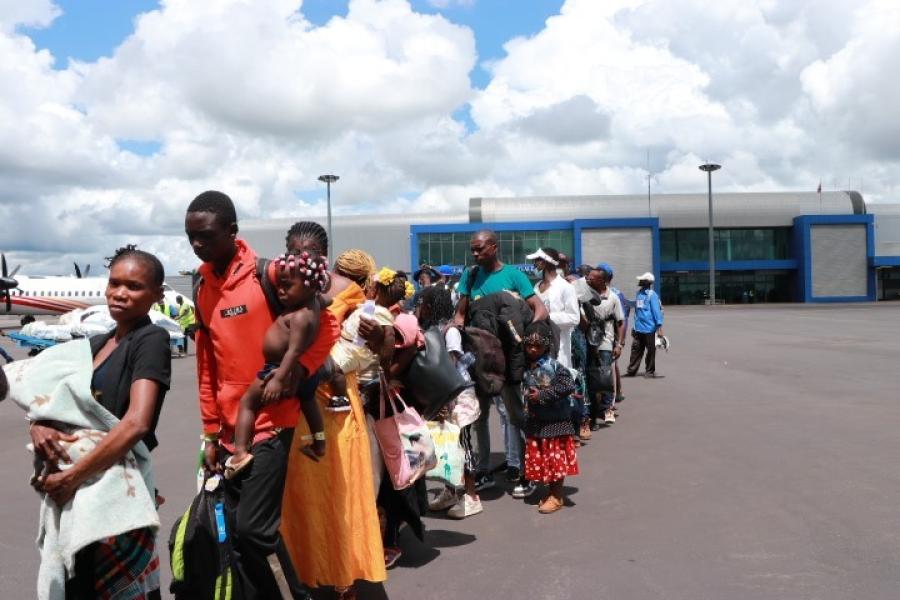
(356, 265)
(150, 261)
(309, 267)
(439, 299)
(395, 291)
(309, 230)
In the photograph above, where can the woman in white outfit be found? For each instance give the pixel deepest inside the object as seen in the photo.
(559, 297)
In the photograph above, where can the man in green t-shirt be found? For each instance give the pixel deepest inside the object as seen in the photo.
(492, 277)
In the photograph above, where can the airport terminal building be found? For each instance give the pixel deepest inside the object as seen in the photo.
(769, 247)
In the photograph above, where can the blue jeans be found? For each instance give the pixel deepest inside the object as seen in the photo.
(512, 437)
(607, 399)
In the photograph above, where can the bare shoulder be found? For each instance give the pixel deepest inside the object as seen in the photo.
(302, 316)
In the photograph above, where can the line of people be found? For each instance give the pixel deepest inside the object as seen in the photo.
(294, 356)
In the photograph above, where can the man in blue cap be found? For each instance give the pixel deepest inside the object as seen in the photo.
(626, 311)
(607, 310)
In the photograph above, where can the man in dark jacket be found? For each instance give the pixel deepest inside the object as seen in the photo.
(489, 277)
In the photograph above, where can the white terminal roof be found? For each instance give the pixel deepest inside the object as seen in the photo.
(675, 211)
(387, 237)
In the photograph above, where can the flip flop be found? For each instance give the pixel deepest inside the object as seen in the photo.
(232, 468)
(391, 556)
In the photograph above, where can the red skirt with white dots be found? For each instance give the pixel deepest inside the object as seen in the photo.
(550, 459)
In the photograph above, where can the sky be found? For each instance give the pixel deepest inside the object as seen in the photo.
(114, 115)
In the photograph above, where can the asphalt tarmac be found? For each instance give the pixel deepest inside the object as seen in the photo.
(762, 466)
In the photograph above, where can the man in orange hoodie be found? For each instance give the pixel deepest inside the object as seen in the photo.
(233, 316)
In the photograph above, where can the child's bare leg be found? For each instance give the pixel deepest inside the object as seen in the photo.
(469, 484)
(246, 417)
(306, 391)
(556, 489)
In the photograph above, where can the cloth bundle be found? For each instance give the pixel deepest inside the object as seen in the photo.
(56, 386)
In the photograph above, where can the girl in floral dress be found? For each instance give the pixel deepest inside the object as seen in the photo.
(549, 432)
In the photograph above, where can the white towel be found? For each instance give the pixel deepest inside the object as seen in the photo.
(56, 385)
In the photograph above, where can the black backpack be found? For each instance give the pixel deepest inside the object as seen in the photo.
(600, 378)
(200, 549)
(268, 288)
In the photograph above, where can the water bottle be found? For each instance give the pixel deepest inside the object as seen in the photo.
(368, 308)
(220, 522)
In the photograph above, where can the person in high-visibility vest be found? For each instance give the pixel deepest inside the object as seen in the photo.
(186, 319)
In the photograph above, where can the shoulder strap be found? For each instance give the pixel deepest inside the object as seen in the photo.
(473, 273)
(197, 281)
(262, 274)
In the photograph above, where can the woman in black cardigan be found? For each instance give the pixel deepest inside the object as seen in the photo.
(132, 371)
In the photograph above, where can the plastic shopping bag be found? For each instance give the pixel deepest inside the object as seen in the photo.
(450, 459)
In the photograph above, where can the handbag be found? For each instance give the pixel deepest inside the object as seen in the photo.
(450, 459)
(432, 377)
(406, 444)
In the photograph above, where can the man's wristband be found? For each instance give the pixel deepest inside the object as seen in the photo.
(319, 436)
(210, 437)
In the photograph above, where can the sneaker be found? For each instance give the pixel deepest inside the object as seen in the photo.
(585, 433)
(619, 398)
(597, 424)
(485, 481)
(465, 507)
(444, 500)
(523, 489)
(609, 416)
(630, 374)
(650, 375)
(513, 474)
(338, 404)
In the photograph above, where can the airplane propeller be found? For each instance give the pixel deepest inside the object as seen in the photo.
(7, 282)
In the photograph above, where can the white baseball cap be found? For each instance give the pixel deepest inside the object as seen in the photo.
(648, 276)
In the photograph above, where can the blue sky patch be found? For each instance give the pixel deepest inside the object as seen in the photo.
(140, 147)
(89, 29)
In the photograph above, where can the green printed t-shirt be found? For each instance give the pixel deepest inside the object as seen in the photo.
(507, 278)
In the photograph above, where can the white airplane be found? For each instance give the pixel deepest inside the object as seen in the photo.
(56, 295)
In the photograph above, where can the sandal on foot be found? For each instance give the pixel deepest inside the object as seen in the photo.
(551, 504)
(232, 467)
(391, 556)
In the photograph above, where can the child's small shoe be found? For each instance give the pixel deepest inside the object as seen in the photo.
(338, 404)
(550, 504)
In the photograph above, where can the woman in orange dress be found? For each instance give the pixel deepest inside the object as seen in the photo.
(329, 520)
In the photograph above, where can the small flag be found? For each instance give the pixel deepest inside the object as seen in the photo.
(819, 189)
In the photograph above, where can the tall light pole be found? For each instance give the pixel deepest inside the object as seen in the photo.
(329, 179)
(709, 168)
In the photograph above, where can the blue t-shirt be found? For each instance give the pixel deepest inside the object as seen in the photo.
(506, 278)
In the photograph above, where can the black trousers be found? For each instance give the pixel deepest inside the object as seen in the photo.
(253, 503)
(639, 343)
